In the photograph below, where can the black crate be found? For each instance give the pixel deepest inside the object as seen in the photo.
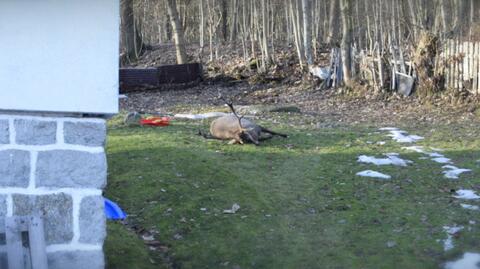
(179, 73)
(137, 76)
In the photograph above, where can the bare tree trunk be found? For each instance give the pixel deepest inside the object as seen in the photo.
(346, 7)
(233, 28)
(307, 32)
(472, 19)
(127, 31)
(333, 22)
(413, 18)
(296, 34)
(224, 6)
(265, 33)
(443, 16)
(202, 25)
(177, 32)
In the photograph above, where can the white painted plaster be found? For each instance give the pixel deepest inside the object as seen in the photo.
(47, 118)
(9, 204)
(73, 247)
(49, 191)
(33, 169)
(54, 147)
(68, 56)
(11, 130)
(76, 200)
(60, 132)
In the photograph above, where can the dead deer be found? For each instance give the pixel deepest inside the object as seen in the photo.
(238, 130)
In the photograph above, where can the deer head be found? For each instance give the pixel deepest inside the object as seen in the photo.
(245, 134)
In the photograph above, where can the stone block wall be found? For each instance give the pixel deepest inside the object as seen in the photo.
(56, 166)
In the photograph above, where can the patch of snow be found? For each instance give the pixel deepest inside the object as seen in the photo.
(466, 195)
(233, 210)
(148, 237)
(374, 174)
(468, 261)
(388, 129)
(122, 96)
(451, 231)
(381, 143)
(200, 116)
(391, 159)
(471, 207)
(442, 160)
(453, 171)
(435, 155)
(403, 137)
(418, 149)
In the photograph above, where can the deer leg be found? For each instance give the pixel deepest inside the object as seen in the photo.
(235, 141)
(207, 136)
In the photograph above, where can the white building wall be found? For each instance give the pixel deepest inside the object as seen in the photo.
(59, 55)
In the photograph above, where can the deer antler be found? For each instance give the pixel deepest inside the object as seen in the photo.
(230, 105)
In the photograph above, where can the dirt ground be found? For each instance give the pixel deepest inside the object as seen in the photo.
(327, 105)
(286, 84)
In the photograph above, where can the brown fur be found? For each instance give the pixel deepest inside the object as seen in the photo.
(228, 128)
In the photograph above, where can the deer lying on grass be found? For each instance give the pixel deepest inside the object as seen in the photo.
(238, 130)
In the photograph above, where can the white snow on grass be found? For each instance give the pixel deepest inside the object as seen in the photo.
(418, 149)
(392, 159)
(442, 160)
(466, 195)
(451, 231)
(200, 116)
(435, 155)
(388, 129)
(374, 174)
(403, 137)
(468, 261)
(471, 207)
(453, 172)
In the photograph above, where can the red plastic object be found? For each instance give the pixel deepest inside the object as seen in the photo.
(156, 121)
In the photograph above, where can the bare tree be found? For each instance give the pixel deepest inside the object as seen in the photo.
(307, 31)
(346, 7)
(127, 42)
(333, 22)
(177, 32)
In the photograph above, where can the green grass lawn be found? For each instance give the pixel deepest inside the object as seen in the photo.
(302, 206)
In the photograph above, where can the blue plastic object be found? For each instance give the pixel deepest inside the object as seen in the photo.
(113, 211)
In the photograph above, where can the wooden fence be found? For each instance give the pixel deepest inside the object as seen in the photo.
(460, 64)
